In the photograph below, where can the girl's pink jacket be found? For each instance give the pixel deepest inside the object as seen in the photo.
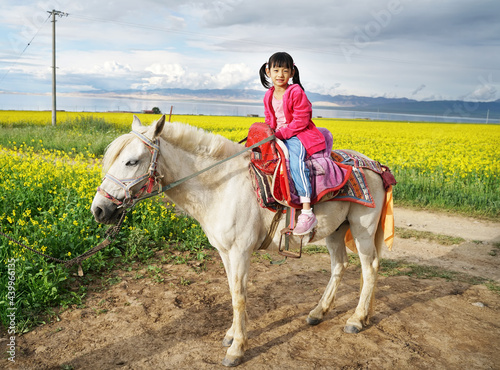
(298, 113)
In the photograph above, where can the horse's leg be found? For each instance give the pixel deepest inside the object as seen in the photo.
(368, 255)
(239, 265)
(336, 247)
(228, 339)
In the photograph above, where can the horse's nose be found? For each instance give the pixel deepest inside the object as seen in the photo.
(98, 212)
(106, 215)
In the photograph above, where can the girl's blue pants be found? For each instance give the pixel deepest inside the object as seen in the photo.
(300, 173)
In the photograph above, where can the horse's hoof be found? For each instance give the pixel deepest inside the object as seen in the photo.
(351, 329)
(227, 342)
(313, 321)
(231, 362)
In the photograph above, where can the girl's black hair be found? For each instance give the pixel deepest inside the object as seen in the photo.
(280, 59)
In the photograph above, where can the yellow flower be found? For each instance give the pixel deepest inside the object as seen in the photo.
(69, 254)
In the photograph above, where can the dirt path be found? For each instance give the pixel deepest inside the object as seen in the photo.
(180, 323)
(472, 256)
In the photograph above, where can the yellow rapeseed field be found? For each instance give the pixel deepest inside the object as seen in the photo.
(452, 150)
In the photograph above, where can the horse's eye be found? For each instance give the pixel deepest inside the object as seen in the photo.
(131, 163)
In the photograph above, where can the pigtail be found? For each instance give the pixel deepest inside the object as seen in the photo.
(280, 59)
(296, 77)
(263, 77)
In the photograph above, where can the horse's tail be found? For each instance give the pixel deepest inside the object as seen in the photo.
(379, 238)
(385, 229)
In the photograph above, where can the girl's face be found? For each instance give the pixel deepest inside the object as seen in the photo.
(279, 76)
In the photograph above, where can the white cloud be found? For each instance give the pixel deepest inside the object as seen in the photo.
(486, 91)
(174, 75)
(111, 67)
(233, 76)
(162, 76)
(174, 70)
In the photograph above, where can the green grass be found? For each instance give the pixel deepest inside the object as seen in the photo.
(85, 134)
(470, 195)
(402, 268)
(405, 233)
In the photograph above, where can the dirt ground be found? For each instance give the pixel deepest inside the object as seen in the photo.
(180, 323)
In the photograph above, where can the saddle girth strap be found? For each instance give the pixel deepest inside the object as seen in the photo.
(272, 228)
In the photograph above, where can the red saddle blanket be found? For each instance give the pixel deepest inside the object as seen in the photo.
(274, 187)
(271, 176)
(336, 175)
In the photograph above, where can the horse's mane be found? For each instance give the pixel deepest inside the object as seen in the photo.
(189, 138)
(198, 141)
(113, 150)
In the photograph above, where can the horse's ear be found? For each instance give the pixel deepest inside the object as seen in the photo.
(159, 127)
(136, 124)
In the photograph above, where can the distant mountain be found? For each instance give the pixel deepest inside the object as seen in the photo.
(452, 108)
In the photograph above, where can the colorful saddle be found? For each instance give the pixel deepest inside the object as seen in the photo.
(335, 175)
(271, 175)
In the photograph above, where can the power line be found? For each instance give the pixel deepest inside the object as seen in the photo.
(26, 47)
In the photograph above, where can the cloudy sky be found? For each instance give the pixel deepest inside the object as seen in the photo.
(419, 49)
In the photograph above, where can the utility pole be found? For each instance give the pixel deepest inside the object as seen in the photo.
(60, 14)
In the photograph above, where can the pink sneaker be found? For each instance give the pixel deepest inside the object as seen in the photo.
(305, 224)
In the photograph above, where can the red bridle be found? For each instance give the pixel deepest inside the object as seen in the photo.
(152, 178)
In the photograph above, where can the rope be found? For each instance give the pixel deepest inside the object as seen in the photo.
(113, 231)
(111, 234)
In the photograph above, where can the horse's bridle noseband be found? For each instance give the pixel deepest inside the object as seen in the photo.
(127, 184)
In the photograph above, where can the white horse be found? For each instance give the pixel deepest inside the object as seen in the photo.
(224, 203)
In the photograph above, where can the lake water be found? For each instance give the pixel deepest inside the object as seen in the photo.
(104, 104)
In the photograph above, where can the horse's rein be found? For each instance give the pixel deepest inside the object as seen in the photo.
(131, 200)
(147, 190)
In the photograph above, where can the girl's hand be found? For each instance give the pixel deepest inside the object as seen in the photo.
(278, 135)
